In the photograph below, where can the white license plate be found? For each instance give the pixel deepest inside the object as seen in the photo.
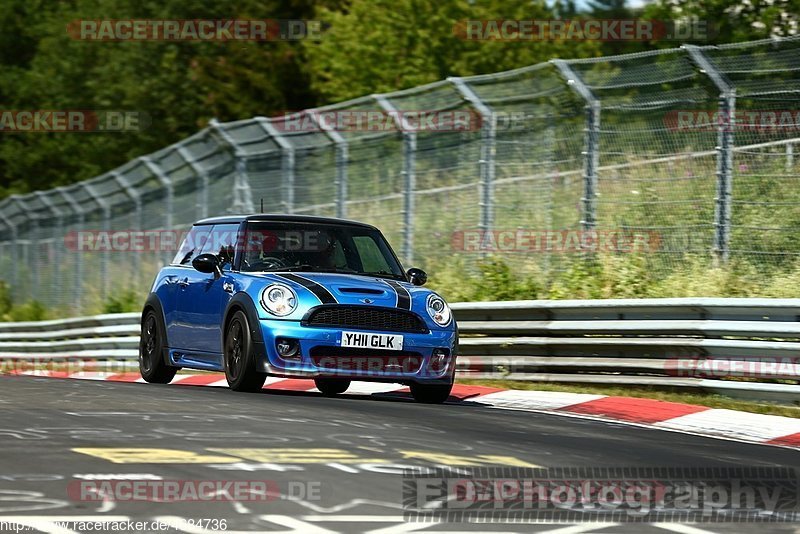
(372, 341)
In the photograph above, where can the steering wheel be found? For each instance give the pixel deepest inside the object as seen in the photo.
(269, 263)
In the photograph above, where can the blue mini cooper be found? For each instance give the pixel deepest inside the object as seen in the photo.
(301, 297)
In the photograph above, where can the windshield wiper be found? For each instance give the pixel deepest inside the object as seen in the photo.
(385, 274)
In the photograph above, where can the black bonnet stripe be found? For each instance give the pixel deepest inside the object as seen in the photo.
(324, 296)
(403, 296)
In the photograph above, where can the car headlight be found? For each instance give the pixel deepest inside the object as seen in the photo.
(279, 300)
(439, 310)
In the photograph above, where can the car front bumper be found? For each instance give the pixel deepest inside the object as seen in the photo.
(321, 355)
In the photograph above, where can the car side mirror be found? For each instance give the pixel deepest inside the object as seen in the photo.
(418, 277)
(207, 263)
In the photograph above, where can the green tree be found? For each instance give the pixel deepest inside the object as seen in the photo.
(384, 45)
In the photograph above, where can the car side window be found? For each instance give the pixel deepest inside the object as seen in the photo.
(372, 259)
(192, 245)
(222, 243)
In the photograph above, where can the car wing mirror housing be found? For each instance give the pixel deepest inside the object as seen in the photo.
(207, 263)
(418, 277)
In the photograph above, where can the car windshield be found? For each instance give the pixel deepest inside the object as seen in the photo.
(314, 247)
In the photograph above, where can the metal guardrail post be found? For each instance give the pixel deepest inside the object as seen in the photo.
(242, 194)
(202, 202)
(76, 208)
(591, 146)
(106, 227)
(137, 200)
(342, 162)
(409, 176)
(488, 151)
(287, 162)
(725, 144)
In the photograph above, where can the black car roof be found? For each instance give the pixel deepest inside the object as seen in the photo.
(276, 217)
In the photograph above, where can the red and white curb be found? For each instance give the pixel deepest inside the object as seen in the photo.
(672, 416)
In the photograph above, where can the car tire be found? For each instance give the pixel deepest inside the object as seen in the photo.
(431, 393)
(238, 356)
(332, 386)
(152, 344)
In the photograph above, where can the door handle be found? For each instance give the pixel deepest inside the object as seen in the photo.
(184, 282)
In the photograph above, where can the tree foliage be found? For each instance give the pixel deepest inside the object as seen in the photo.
(369, 46)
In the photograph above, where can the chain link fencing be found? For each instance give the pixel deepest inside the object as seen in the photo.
(693, 146)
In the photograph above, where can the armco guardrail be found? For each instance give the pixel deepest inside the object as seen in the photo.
(695, 342)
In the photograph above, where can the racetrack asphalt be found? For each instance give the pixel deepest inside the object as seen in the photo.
(332, 464)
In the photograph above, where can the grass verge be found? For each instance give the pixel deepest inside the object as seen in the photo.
(711, 400)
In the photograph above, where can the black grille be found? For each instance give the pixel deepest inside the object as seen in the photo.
(366, 318)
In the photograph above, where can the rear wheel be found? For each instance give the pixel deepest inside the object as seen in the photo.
(431, 393)
(151, 352)
(332, 386)
(239, 359)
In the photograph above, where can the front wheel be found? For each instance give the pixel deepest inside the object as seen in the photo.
(431, 393)
(332, 386)
(151, 352)
(239, 359)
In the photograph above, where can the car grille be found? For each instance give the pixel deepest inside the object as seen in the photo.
(352, 359)
(366, 318)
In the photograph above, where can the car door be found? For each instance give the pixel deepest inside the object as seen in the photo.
(175, 281)
(203, 298)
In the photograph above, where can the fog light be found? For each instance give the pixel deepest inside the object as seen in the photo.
(287, 348)
(439, 360)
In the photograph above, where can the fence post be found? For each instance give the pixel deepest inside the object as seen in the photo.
(202, 203)
(789, 157)
(166, 183)
(106, 227)
(76, 208)
(14, 245)
(242, 194)
(137, 201)
(488, 151)
(54, 235)
(287, 162)
(409, 173)
(27, 261)
(342, 161)
(591, 154)
(725, 142)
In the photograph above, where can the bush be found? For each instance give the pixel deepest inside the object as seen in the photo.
(122, 301)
